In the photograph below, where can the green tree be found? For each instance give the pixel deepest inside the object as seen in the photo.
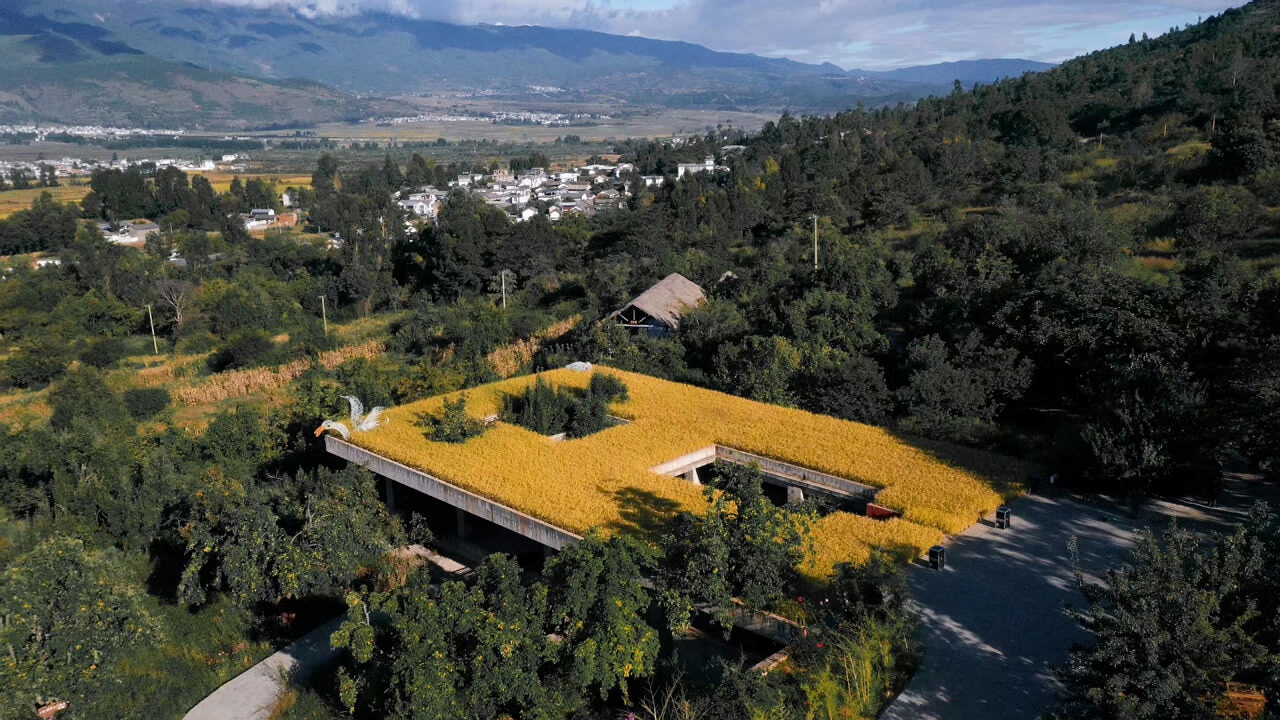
(454, 424)
(70, 613)
(597, 604)
(743, 547)
(1171, 627)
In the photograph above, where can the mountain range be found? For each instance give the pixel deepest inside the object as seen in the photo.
(146, 63)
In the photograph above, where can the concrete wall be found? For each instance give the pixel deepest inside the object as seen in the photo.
(799, 476)
(501, 515)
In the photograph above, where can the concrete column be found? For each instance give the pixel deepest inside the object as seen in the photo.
(794, 494)
(461, 516)
(692, 476)
(390, 486)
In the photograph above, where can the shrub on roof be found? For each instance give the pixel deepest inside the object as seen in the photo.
(454, 424)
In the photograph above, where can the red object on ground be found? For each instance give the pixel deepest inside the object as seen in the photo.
(880, 512)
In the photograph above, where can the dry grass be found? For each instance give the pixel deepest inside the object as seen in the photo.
(605, 481)
(238, 383)
(1158, 264)
(343, 355)
(511, 359)
(24, 408)
(1189, 149)
(367, 328)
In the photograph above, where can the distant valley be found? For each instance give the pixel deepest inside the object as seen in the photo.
(176, 64)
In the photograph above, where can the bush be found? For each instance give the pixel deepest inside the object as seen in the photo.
(197, 342)
(143, 403)
(103, 352)
(82, 392)
(245, 348)
(36, 364)
(454, 425)
(548, 410)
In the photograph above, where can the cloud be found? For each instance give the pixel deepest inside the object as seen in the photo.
(870, 34)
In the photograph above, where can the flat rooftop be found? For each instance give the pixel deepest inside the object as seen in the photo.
(608, 480)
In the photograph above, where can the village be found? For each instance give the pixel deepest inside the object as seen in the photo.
(585, 190)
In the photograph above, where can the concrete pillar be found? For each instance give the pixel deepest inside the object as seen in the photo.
(461, 516)
(692, 476)
(794, 494)
(390, 486)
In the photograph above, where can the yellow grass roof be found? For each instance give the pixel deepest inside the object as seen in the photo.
(604, 480)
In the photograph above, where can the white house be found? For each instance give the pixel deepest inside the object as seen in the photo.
(707, 165)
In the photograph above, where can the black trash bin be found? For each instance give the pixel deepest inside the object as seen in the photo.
(1004, 515)
(937, 557)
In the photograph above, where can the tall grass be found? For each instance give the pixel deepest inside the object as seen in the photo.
(510, 360)
(238, 383)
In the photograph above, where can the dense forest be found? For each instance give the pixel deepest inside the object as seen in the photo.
(1078, 267)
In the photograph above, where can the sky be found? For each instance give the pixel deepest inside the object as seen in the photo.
(866, 34)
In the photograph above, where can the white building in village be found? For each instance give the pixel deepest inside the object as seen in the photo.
(707, 165)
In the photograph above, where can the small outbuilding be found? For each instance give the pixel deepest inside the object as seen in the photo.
(658, 310)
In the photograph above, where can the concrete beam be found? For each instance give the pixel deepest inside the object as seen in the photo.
(685, 463)
(795, 474)
(791, 475)
(481, 507)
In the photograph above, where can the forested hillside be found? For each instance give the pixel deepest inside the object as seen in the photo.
(1078, 268)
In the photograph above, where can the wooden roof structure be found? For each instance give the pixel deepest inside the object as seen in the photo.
(663, 304)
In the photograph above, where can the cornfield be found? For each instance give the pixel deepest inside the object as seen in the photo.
(238, 383)
(343, 355)
(510, 359)
(604, 480)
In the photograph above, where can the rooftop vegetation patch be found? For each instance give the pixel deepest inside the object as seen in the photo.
(576, 413)
(604, 480)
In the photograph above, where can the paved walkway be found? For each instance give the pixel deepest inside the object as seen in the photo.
(252, 694)
(994, 624)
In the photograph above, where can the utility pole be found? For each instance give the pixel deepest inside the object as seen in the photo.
(324, 315)
(154, 346)
(814, 218)
(503, 276)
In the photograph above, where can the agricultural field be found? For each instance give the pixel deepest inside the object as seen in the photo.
(636, 122)
(221, 181)
(12, 201)
(604, 480)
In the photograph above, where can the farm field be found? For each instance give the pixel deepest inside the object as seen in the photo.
(12, 201)
(221, 181)
(604, 480)
(633, 122)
